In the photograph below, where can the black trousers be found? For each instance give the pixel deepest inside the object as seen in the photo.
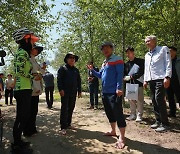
(67, 107)
(172, 91)
(49, 96)
(158, 100)
(8, 93)
(93, 90)
(23, 109)
(113, 109)
(31, 125)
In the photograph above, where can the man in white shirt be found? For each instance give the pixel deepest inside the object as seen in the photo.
(157, 74)
(9, 84)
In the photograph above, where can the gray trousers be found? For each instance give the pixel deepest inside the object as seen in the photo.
(158, 100)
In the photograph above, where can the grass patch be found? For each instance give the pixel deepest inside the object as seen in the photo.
(56, 96)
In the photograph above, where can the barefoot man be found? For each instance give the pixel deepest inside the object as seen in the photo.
(111, 74)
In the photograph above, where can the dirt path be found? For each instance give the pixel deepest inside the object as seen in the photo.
(88, 138)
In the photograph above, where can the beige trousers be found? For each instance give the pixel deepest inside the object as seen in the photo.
(136, 107)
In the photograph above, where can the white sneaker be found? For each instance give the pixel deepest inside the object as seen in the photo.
(138, 118)
(131, 117)
(161, 128)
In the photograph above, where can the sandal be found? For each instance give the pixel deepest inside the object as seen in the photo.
(120, 145)
(63, 132)
(110, 134)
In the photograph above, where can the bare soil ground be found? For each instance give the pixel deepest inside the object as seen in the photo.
(88, 138)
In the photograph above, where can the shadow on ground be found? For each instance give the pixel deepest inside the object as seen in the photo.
(49, 140)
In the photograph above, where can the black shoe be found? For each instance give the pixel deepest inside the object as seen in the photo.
(172, 115)
(24, 143)
(29, 134)
(17, 149)
(91, 107)
(49, 107)
(34, 132)
(20, 144)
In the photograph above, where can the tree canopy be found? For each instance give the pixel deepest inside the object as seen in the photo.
(124, 22)
(88, 23)
(33, 14)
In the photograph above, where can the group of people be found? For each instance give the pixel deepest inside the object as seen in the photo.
(160, 70)
(28, 86)
(7, 88)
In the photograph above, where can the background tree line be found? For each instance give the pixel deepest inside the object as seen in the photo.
(88, 23)
(124, 22)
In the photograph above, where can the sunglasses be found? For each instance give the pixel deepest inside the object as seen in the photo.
(32, 37)
(71, 57)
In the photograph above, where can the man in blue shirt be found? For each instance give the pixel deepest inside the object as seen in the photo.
(111, 75)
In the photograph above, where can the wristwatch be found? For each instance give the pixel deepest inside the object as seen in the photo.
(167, 77)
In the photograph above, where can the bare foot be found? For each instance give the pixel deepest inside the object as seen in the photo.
(110, 133)
(63, 132)
(120, 144)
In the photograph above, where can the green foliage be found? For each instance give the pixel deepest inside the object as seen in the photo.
(33, 14)
(88, 23)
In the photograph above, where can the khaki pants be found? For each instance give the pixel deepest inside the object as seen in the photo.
(137, 106)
